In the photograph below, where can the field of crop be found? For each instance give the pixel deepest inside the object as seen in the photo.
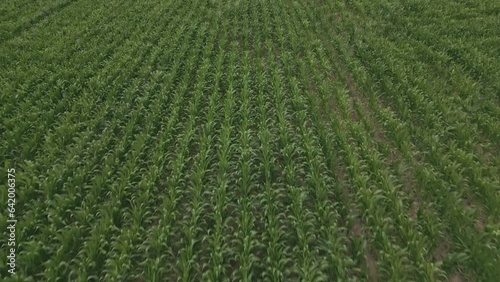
(206, 140)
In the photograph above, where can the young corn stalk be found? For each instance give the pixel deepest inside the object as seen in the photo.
(190, 228)
(218, 261)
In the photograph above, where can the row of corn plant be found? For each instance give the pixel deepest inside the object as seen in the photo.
(245, 238)
(457, 125)
(138, 211)
(375, 224)
(73, 157)
(218, 262)
(191, 221)
(298, 215)
(320, 178)
(157, 238)
(176, 161)
(54, 183)
(273, 236)
(452, 204)
(52, 84)
(395, 198)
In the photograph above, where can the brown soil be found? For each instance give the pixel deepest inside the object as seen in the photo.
(442, 250)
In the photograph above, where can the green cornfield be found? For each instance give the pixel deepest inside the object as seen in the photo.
(217, 140)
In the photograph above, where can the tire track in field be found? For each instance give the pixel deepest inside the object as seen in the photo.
(18, 31)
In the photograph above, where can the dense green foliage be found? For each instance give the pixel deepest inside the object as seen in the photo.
(252, 140)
